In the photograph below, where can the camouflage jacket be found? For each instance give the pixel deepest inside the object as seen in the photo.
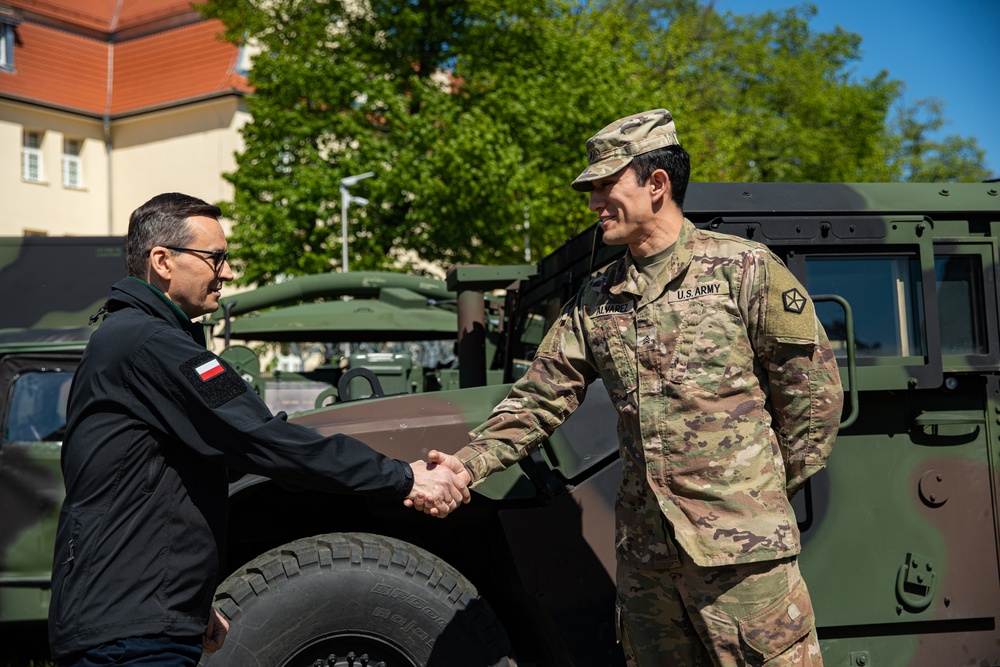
(727, 392)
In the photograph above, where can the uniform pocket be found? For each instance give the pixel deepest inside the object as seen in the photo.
(616, 359)
(704, 345)
(774, 629)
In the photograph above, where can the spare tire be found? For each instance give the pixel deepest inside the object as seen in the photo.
(353, 600)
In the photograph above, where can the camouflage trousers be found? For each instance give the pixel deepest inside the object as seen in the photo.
(754, 614)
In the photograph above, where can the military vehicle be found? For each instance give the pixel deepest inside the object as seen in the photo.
(900, 531)
(341, 318)
(49, 287)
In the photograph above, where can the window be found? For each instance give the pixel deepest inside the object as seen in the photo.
(71, 164)
(38, 407)
(31, 157)
(885, 294)
(7, 39)
(961, 304)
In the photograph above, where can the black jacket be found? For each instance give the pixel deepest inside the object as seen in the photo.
(155, 420)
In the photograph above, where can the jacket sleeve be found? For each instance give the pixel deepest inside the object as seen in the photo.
(803, 382)
(552, 388)
(191, 395)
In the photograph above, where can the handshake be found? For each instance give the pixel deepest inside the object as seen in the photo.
(440, 485)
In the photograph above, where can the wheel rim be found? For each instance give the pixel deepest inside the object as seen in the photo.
(350, 650)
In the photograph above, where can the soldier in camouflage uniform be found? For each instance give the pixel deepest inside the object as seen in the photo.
(728, 399)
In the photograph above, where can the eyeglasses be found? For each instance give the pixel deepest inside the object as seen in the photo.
(218, 256)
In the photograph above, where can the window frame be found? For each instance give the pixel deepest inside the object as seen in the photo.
(796, 238)
(70, 160)
(892, 372)
(64, 376)
(8, 38)
(798, 264)
(29, 152)
(986, 250)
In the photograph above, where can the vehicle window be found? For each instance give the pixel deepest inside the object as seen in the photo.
(961, 305)
(885, 295)
(38, 407)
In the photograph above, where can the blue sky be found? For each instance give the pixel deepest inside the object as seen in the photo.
(948, 50)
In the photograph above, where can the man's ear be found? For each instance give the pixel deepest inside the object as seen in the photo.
(659, 185)
(159, 264)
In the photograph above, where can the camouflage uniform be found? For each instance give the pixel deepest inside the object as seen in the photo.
(728, 398)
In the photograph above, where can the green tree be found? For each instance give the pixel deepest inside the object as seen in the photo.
(474, 113)
(916, 156)
(764, 98)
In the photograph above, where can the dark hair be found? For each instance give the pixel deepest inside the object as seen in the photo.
(161, 221)
(672, 159)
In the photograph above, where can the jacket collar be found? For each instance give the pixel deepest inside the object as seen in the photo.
(625, 278)
(132, 292)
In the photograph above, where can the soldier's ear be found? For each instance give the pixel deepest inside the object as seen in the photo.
(659, 185)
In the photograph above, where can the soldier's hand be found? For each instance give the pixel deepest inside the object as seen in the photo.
(453, 464)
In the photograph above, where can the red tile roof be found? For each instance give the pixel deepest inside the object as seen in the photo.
(183, 63)
(105, 15)
(69, 68)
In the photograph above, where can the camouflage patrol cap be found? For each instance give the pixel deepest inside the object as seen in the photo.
(613, 148)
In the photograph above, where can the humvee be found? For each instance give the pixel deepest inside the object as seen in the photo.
(900, 532)
(49, 287)
(348, 335)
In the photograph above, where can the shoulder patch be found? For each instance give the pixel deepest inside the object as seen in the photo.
(794, 300)
(790, 315)
(213, 379)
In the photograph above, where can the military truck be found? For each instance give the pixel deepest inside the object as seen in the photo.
(374, 332)
(49, 286)
(900, 532)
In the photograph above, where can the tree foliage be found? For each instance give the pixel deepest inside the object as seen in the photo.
(473, 114)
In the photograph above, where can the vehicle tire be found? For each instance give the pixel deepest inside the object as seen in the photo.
(353, 600)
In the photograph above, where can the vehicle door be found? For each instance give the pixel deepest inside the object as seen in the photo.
(32, 422)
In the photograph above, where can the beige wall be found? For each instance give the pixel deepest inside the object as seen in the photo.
(48, 206)
(179, 150)
(176, 150)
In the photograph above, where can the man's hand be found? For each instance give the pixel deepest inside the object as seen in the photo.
(215, 632)
(452, 463)
(440, 485)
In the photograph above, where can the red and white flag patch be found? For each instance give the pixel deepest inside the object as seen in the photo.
(209, 370)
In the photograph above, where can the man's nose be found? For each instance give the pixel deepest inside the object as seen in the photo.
(596, 202)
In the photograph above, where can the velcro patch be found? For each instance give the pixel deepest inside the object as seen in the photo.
(613, 309)
(698, 291)
(213, 379)
(790, 316)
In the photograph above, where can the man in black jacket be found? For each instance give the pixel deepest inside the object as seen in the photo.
(155, 422)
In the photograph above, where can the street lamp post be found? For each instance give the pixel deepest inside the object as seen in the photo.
(346, 200)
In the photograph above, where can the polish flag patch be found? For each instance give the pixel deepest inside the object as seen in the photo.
(209, 370)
